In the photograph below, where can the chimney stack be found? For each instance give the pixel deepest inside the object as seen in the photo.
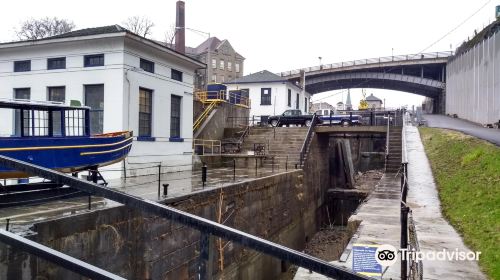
(180, 35)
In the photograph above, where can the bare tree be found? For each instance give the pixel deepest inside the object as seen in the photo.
(139, 25)
(170, 35)
(33, 29)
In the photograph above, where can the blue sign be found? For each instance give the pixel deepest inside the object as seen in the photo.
(364, 262)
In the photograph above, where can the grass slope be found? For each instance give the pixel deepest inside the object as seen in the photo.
(467, 172)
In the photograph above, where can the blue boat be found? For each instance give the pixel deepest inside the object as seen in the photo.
(56, 136)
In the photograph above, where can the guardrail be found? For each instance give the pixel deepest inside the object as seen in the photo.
(222, 96)
(367, 61)
(204, 146)
(416, 267)
(308, 138)
(205, 226)
(58, 258)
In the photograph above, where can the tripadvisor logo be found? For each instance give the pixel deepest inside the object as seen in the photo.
(387, 255)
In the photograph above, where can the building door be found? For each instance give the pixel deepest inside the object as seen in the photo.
(94, 98)
(21, 93)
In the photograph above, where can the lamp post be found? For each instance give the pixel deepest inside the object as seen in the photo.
(319, 57)
(392, 53)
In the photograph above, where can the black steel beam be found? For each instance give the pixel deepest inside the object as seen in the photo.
(58, 258)
(204, 225)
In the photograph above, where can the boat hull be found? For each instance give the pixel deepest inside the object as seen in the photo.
(66, 154)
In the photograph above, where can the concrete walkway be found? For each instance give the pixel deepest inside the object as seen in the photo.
(489, 134)
(433, 231)
(380, 224)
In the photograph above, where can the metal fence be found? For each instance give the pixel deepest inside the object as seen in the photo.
(410, 267)
(207, 228)
(368, 61)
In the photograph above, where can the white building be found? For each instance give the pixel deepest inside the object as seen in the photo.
(271, 94)
(123, 78)
(374, 103)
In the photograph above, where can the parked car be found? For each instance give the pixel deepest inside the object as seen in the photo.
(326, 115)
(290, 117)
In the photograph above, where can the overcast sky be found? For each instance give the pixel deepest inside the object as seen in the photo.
(280, 35)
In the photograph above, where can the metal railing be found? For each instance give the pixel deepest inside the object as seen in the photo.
(308, 138)
(58, 258)
(387, 138)
(205, 226)
(222, 96)
(408, 230)
(368, 61)
(204, 115)
(204, 147)
(210, 96)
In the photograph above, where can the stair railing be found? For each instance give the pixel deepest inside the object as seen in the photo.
(387, 137)
(308, 138)
(204, 115)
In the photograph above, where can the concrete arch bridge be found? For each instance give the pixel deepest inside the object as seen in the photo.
(423, 74)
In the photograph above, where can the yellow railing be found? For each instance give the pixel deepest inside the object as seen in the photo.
(221, 96)
(210, 96)
(204, 115)
(206, 147)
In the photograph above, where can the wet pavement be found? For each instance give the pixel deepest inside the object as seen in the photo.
(434, 233)
(489, 134)
(180, 184)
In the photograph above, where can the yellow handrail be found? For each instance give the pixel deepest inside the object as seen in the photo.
(207, 146)
(204, 115)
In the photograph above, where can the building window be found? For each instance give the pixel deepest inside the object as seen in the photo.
(297, 102)
(145, 112)
(214, 78)
(93, 60)
(237, 67)
(265, 96)
(214, 63)
(56, 63)
(229, 66)
(176, 75)
(222, 78)
(20, 93)
(57, 94)
(22, 66)
(147, 65)
(289, 98)
(305, 104)
(221, 64)
(175, 116)
(94, 98)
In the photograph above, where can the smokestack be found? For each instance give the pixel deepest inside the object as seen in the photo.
(180, 35)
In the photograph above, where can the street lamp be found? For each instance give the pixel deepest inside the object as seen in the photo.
(392, 53)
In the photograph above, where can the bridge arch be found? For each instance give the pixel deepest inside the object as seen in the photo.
(407, 83)
(423, 74)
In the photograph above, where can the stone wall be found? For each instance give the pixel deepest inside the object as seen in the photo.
(134, 245)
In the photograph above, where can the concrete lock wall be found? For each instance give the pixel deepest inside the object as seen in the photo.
(473, 83)
(282, 208)
(226, 116)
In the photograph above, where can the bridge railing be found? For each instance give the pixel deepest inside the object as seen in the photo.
(367, 61)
